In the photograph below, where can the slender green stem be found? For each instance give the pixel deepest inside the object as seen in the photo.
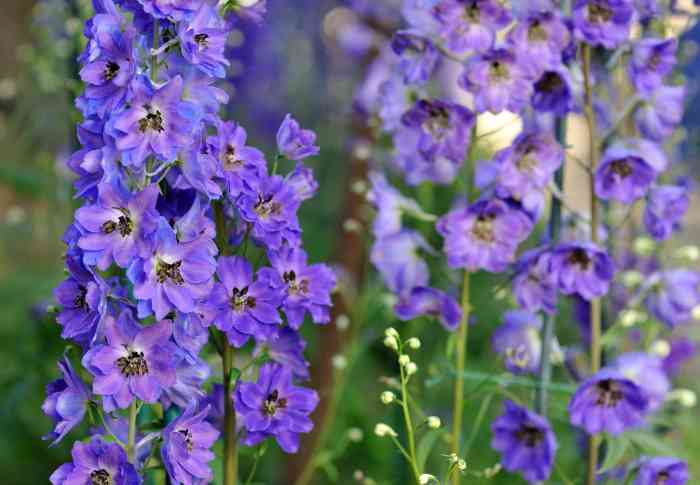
(409, 424)
(154, 59)
(251, 475)
(477, 422)
(461, 351)
(131, 443)
(596, 309)
(230, 452)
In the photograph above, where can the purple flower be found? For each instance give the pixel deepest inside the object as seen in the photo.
(624, 175)
(273, 406)
(432, 302)
(134, 362)
(526, 442)
(682, 350)
(390, 205)
(497, 82)
(484, 235)
(662, 470)
(538, 41)
(603, 22)
(241, 164)
(203, 41)
(287, 349)
(609, 402)
(197, 168)
(470, 24)
(518, 341)
(673, 294)
(175, 276)
(553, 91)
(97, 156)
(302, 181)
(306, 288)
(186, 449)
(157, 122)
(652, 60)
(66, 402)
(419, 57)
(666, 206)
(582, 269)
(119, 226)
(190, 375)
(241, 305)
(648, 373)
(294, 142)
(175, 9)
(96, 462)
(661, 112)
(535, 284)
(398, 260)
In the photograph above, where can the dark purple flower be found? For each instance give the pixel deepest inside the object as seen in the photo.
(135, 362)
(624, 174)
(608, 402)
(420, 301)
(535, 284)
(603, 22)
(203, 41)
(274, 406)
(682, 350)
(538, 41)
(497, 82)
(662, 470)
(241, 305)
(583, 269)
(518, 341)
(96, 159)
(241, 164)
(553, 91)
(484, 235)
(174, 9)
(652, 60)
(470, 24)
(673, 294)
(525, 441)
(397, 258)
(186, 448)
(66, 402)
(647, 372)
(287, 349)
(96, 462)
(157, 122)
(419, 57)
(119, 227)
(306, 288)
(175, 276)
(661, 112)
(665, 209)
(294, 142)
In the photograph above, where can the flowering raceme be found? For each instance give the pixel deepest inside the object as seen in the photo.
(158, 255)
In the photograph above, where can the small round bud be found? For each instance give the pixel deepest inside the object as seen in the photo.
(632, 278)
(391, 332)
(426, 478)
(358, 475)
(433, 422)
(359, 186)
(247, 3)
(644, 246)
(51, 309)
(696, 313)
(383, 430)
(342, 322)
(411, 368)
(630, 318)
(391, 342)
(352, 225)
(413, 343)
(355, 435)
(339, 362)
(404, 360)
(452, 458)
(689, 253)
(387, 397)
(661, 348)
(685, 397)
(461, 465)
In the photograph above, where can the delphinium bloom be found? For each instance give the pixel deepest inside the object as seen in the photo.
(470, 24)
(673, 294)
(133, 363)
(96, 462)
(625, 174)
(287, 349)
(660, 113)
(241, 164)
(583, 269)
(666, 206)
(295, 142)
(484, 235)
(419, 57)
(422, 300)
(66, 402)
(603, 22)
(535, 284)
(398, 259)
(525, 441)
(647, 372)
(176, 10)
(517, 341)
(187, 447)
(609, 402)
(497, 82)
(274, 406)
(538, 41)
(390, 205)
(683, 349)
(203, 41)
(554, 91)
(242, 305)
(652, 60)
(662, 470)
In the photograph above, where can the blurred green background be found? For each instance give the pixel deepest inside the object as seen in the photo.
(292, 63)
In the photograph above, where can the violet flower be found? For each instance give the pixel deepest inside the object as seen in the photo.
(624, 175)
(419, 57)
(97, 462)
(287, 349)
(673, 295)
(517, 341)
(660, 113)
(554, 91)
(241, 164)
(294, 142)
(603, 22)
(538, 42)
(535, 284)
(470, 24)
(203, 41)
(665, 209)
(647, 372)
(66, 402)
(432, 302)
(662, 470)
(397, 258)
(583, 269)
(652, 60)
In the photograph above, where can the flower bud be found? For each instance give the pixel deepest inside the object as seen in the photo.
(352, 225)
(355, 435)
(383, 430)
(413, 343)
(391, 342)
(630, 318)
(387, 397)
(391, 332)
(632, 278)
(339, 362)
(411, 368)
(685, 397)
(461, 465)
(696, 313)
(644, 246)
(342, 322)
(426, 478)
(434, 422)
(404, 360)
(689, 253)
(661, 348)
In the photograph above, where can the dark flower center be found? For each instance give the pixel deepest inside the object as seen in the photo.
(599, 12)
(80, 300)
(530, 436)
(294, 286)
(621, 167)
(550, 82)
(100, 477)
(240, 301)
(133, 364)
(111, 70)
(438, 121)
(654, 61)
(189, 442)
(266, 206)
(536, 32)
(273, 403)
(609, 393)
(165, 271)
(499, 70)
(472, 12)
(202, 40)
(123, 224)
(662, 477)
(483, 229)
(580, 258)
(526, 162)
(152, 121)
(230, 160)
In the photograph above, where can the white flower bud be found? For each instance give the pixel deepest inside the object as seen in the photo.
(391, 342)
(661, 348)
(461, 465)
(696, 313)
(434, 422)
(355, 435)
(689, 253)
(630, 318)
(685, 397)
(426, 478)
(631, 278)
(644, 246)
(359, 186)
(387, 397)
(339, 362)
(411, 368)
(352, 225)
(413, 343)
(452, 458)
(404, 360)
(391, 332)
(383, 430)
(342, 322)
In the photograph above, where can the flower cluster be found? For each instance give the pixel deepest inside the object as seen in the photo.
(185, 236)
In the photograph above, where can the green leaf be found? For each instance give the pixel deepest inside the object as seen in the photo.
(426, 445)
(651, 444)
(615, 448)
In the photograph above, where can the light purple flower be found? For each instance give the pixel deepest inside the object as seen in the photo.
(535, 284)
(175, 9)
(652, 60)
(673, 294)
(665, 209)
(538, 41)
(470, 24)
(287, 349)
(647, 372)
(420, 301)
(241, 164)
(624, 174)
(603, 22)
(302, 181)
(398, 260)
(517, 341)
(66, 402)
(96, 462)
(554, 91)
(419, 57)
(583, 269)
(294, 142)
(662, 470)
(660, 113)
(203, 41)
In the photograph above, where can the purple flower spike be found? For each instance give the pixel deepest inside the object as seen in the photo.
(241, 305)
(518, 341)
(603, 22)
(526, 442)
(274, 406)
(582, 269)
(97, 462)
(432, 302)
(66, 402)
(662, 470)
(665, 209)
(470, 24)
(652, 60)
(608, 402)
(203, 41)
(186, 449)
(484, 235)
(294, 142)
(134, 362)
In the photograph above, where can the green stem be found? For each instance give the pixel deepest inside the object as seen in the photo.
(409, 424)
(230, 452)
(461, 351)
(131, 443)
(154, 59)
(477, 423)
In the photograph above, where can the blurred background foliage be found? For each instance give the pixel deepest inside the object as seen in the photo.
(294, 63)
